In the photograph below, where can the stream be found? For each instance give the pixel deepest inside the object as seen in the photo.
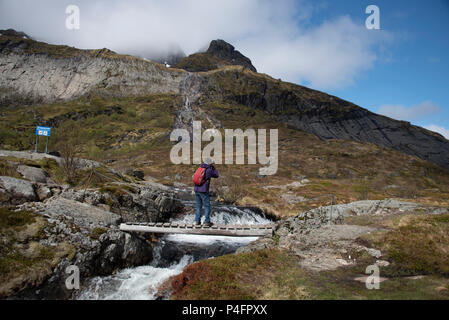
(171, 254)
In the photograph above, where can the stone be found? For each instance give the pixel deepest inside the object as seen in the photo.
(373, 252)
(167, 204)
(32, 173)
(84, 214)
(43, 192)
(20, 190)
(382, 263)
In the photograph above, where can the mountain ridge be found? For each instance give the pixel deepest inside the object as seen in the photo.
(36, 72)
(219, 54)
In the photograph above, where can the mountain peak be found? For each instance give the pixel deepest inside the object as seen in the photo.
(219, 54)
(226, 51)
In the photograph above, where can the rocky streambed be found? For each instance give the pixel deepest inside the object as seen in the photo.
(80, 227)
(170, 255)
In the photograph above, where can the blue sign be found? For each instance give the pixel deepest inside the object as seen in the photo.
(43, 131)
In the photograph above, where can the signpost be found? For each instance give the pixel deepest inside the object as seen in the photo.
(42, 131)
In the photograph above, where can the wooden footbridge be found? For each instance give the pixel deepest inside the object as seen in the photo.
(235, 230)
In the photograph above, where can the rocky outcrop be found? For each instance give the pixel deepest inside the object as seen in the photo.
(225, 51)
(142, 204)
(16, 191)
(37, 72)
(97, 246)
(83, 226)
(321, 239)
(218, 55)
(32, 173)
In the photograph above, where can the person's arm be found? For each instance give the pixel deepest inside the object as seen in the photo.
(214, 172)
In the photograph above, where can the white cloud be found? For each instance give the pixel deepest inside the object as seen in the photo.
(441, 130)
(277, 35)
(400, 112)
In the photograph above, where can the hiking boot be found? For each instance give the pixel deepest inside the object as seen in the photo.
(208, 224)
(198, 223)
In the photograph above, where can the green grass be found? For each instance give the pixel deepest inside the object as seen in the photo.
(15, 219)
(275, 274)
(418, 244)
(242, 276)
(97, 232)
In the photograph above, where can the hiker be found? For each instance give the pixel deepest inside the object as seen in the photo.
(201, 179)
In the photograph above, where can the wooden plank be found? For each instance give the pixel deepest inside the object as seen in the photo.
(202, 231)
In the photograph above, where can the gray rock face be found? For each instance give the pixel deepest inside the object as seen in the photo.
(28, 155)
(225, 51)
(146, 204)
(17, 189)
(83, 214)
(363, 125)
(32, 173)
(43, 78)
(100, 247)
(43, 192)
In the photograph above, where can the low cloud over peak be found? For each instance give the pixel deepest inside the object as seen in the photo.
(277, 36)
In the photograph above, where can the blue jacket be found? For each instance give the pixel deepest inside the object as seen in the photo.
(211, 172)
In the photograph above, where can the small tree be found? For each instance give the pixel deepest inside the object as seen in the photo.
(70, 149)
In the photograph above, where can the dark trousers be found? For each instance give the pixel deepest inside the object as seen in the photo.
(202, 198)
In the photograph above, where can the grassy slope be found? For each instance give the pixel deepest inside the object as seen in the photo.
(134, 132)
(416, 245)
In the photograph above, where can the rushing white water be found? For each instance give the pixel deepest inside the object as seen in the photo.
(221, 215)
(141, 283)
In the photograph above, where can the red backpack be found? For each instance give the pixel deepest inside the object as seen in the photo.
(199, 176)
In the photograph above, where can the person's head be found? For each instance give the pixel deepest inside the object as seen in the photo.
(208, 161)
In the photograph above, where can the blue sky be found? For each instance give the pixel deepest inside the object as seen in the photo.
(400, 70)
(411, 82)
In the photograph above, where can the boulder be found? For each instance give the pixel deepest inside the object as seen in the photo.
(19, 190)
(166, 204)
(84, 215)
(121, 250)
(32, 173)
(43, 192)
